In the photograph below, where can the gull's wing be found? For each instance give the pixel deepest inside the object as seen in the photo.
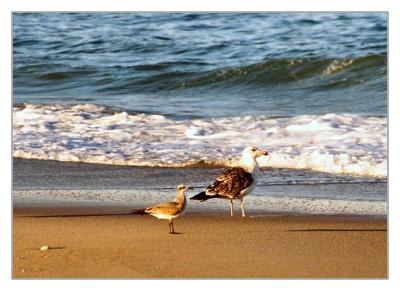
(230, 183)
(171, 208)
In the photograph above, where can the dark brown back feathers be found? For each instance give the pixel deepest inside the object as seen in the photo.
(230, 183)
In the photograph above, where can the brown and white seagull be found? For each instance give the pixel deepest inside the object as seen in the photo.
(168, 210)
(237, 182)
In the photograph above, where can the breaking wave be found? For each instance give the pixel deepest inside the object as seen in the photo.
(277, 71)
(333, 143)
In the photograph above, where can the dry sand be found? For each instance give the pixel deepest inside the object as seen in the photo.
(209, 246)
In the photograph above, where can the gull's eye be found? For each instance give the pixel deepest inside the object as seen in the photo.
(253, 149)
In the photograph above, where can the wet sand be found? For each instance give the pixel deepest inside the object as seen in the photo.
(208, 246)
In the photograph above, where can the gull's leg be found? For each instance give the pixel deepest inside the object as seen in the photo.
(242, 207)
(231, 207)
(170, 226)
(172, 223)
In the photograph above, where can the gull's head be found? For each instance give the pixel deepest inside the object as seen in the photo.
(253, 153)
(182, 188)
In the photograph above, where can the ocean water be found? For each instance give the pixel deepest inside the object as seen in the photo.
(189, 89)
(204, 65)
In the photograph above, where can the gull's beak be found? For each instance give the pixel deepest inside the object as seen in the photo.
(189, 188)
(261, 153)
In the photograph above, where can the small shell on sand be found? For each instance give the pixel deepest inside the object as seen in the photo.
(44, 248)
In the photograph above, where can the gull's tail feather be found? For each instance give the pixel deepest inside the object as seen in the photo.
(201, 197)
(139, 211)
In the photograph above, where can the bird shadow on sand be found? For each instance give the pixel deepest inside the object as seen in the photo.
(334, 229)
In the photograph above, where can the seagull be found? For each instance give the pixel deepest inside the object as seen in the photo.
(237, 182)
(168, 210)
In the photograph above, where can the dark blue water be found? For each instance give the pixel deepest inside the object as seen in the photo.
(189, 65)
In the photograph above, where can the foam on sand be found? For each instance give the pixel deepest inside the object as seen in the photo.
(143, 198)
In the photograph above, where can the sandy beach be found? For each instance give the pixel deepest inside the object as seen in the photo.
(90, 234)
(212, 246)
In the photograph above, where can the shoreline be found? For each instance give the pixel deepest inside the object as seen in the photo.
(97, 185)
(84, 210)
(50, 184)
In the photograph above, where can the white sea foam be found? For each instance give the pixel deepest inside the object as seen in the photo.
(334, 143)
(336, 66)
(320, 206)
